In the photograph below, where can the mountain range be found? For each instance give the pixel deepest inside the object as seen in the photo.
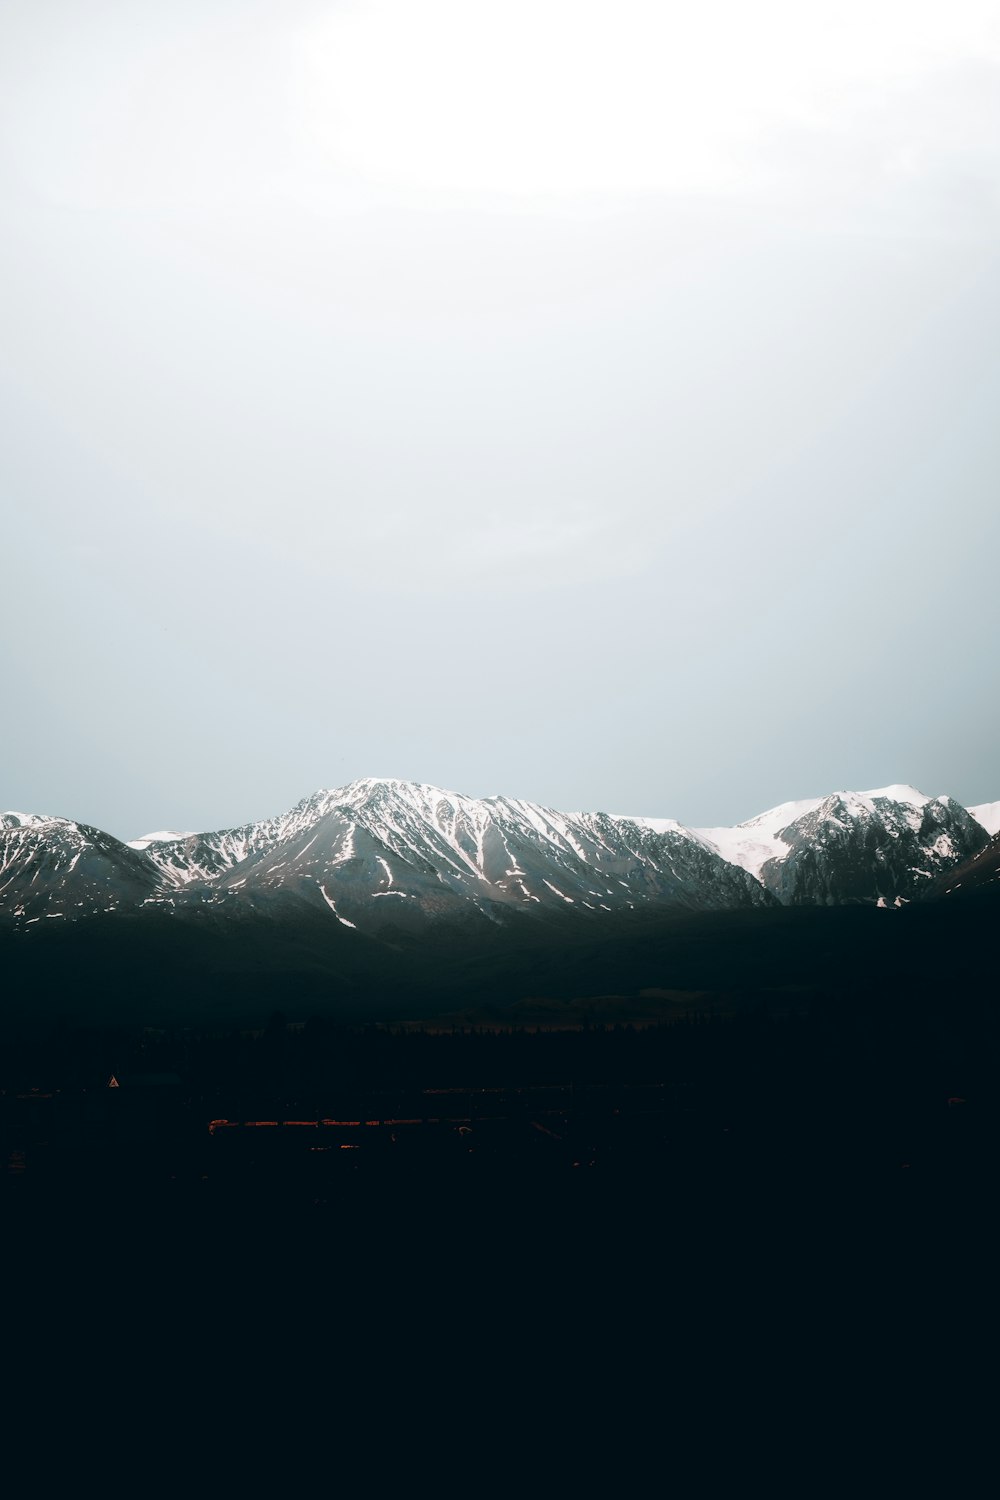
(382, 856)
(389, 899)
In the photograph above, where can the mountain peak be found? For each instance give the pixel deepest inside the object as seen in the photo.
(162, 836)
(387, 854)
(899, 792)
(987, 814)
(375, 788)
(30, 820)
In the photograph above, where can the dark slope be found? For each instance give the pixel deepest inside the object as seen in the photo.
(52, 869)
(978, 876)
(203, 968)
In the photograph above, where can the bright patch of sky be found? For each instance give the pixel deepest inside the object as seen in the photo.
(594, 403)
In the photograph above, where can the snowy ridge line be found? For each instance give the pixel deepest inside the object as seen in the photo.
(756, 841)
(441, 853)
(437, 853)
(988, 814)
(551, 825)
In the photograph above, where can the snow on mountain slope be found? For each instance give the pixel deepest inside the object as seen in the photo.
(897, 793)
(52, 867)
(29, 820)
(191, 857)
(164, 836)
(878, 845)
(988, 814)
(658, 825)
(870, 846)
(382, 852)
(753, 843)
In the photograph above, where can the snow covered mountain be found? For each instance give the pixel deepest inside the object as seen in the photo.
(383, 856)
(988, 814)
(52, 867)
(887, 845)
(384, 853)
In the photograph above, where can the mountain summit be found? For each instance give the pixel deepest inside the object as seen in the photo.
(886, 845)
(381, 852)
(381, 856)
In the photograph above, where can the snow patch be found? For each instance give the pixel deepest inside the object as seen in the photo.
(899, 792)
(558, 892)
(987, 814)
(658, 825)
(333, 907)
(165, 836)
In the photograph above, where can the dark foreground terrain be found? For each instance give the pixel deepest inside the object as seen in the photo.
(756, 1237)
(806, 1054)
(894, 1096)
(203, 969)
(727, 1173)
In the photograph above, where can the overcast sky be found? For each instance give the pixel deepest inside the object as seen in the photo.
(593, 402)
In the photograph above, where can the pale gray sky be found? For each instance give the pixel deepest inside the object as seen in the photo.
(592, 402)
